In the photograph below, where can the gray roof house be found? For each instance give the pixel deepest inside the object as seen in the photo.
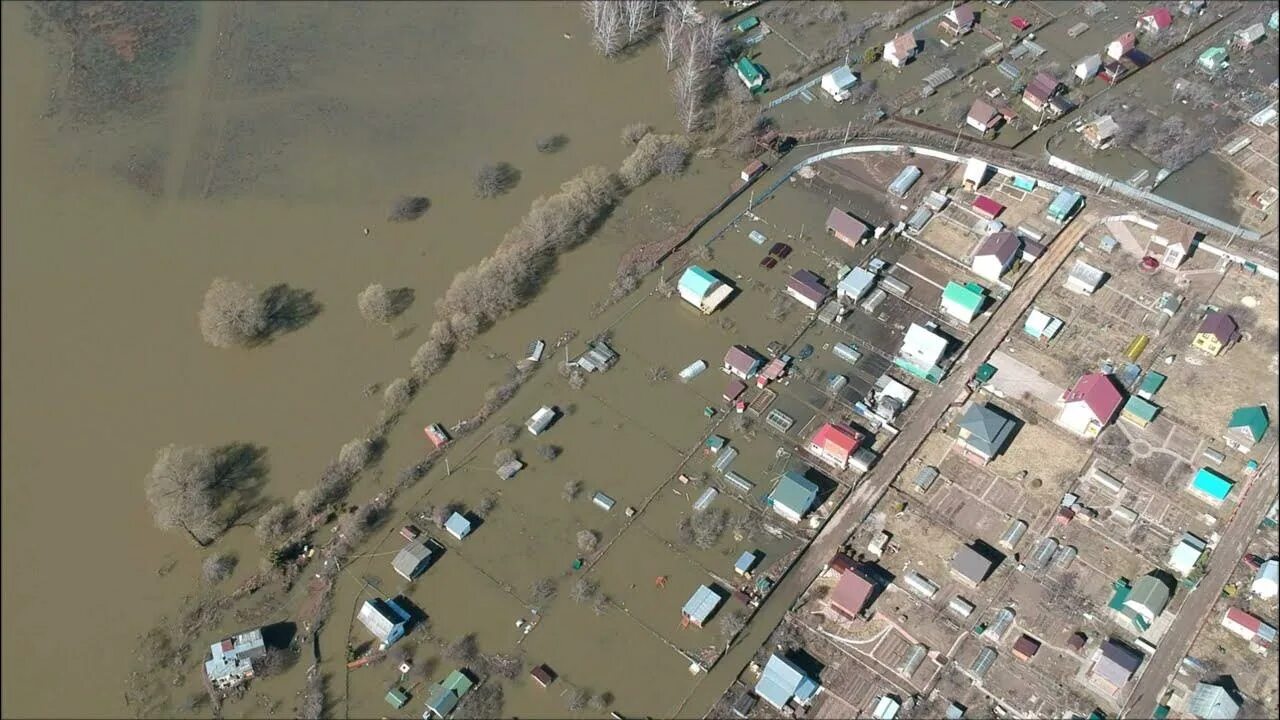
(1116, 663)
(1147, 600)
(983, 432)
(971, 565)
(232, 659)
(384, 619)
(1212, 702)
(412, 560)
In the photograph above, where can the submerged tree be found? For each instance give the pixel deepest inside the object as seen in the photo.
(408, 208)
(217, 568)
(375, 304)
(494, 179)
(233, 314)
(184, 491)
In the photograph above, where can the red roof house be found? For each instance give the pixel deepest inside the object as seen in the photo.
(834, 444)
(1040, 91)
(1090, 404)
(841, 562)
(1154, 20)
(1249, 626)
(987, 208)
(851, 593)
(1121, 46)
(1019, 23)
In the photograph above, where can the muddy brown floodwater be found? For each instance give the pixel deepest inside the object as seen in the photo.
(269, 138)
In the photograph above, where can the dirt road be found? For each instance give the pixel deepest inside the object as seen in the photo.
(1179, 637)
(860, 503)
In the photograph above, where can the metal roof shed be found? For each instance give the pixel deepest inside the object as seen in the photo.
(901, 185)
(700, 606)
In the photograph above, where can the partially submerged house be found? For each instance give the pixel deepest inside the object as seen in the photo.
(386, 619)
(700, 606)
(412, 560)
(541, 420)
(1101, 132)
(1087, 67)
(1122, 46)
(749, 73)
(1246, 427)
(1212, 702)
(982, 433)
(834, 444)
(839, 82)
(900, 50)
(599, 357)
(232, 659)
(793, 496)
(1090, 405)
(443, 697)
(995, 254)
(808, 289)
(742, 362)
(958, 21)
(963, 302)
(846, 228)
(782, 681)
(1115, 665)
(1042, 88)
(458, 526)
(1217, 331)
(702, 289)
(921, 352)
(983, 117)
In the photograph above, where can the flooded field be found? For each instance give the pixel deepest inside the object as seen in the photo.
(276, 133)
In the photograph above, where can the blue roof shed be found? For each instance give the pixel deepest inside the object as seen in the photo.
(1210, 484)
(701, 605)
(746, 562)
(781, 681)
(1064, 205)
(697, 281)
(458, 526)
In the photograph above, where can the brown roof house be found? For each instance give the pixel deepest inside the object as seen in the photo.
(900, 50)
(808, 289)
(996, 254)
(845, 227)
(983, 117)
(1178, 239)
(959, 20)
(974, 563)
(1026, 647)
(1040, 91)
(742, 362)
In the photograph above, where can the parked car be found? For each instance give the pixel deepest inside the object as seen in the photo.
(780, 250)
(768, 262)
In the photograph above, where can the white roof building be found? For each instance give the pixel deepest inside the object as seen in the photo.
(1264, 583)
(838, 82)
(1186, 554)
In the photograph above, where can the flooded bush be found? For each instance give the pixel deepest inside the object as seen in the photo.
(731, 625)
(552, 143)
(464, 650)
(487, 504)
(431, 357)
(217, 568)
(666, 154)
(408, 208)
(233, 314)
(355, 455)
(312, 705)
(504, 456)
(577, 379)
(549, 452)
(658, 374)
(276, 661)
(634, 132)
(375, 305)
(482, 702)
(584, 590)
(494, 179)
(506, 433)
(542, 591)
(600, 702)
(707, 526)
(588, 540)
(601, 604)
(275, 525)
(577, 699)
(398, 395)
(507, 666)
(572, 489)
(802, 13)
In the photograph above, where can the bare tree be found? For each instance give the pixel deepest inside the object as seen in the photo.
(233, 314)
(588, 540)
(375, 304)
(487, 504)
(608, 25)
(577, 699)
(356, 455)
(572, 489)
(637, 15)
(274, 525)
(464, 650)
(276, 661)
(506, 433)
(507, 666)
(408, 208)
(504, 456)
(601, 604)
(654, 154)
(551, 143)
(600, 702)
(312, 705)
(494, 179)
(217, 568)
(548, 452)
(398, 394)
(184, 490)
(731, 625)
(583, 590)
(703, 46)
(672, 38)
(542, 591)
(481, 702)
(632, 133)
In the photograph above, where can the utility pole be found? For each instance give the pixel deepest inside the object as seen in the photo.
(846, 131)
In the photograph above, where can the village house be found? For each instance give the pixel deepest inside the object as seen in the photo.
(963, 302)
(839, 82)
(1217, 331)
(1213, 60)
(1246, 427)
(1139, 411)
(443, 697)
(412, 560)
(232, 659)
(1249, 627)
(542, 675)
(851, 594)
(1266, 583)
(1084, 278)
(750, 75)
(1210, 486)
(1101, 132)
(982, 433)
(995, 254)
(1178, 239)
(987, 207)
(1041, 326)
(1246, 38)
(834, 444)
(458, 526)
(900, 50)
(793, 496)
(1212, 702)
(808, 289)
(856, 283)
(846, 228)
(1185, 555)
(702, 289)
(921, 351)
(782, 681)
(1025, 647)
(1040, 91)
(386, 620)
(742, 362)
(972, 564)
(1090, 405)
(1154, 20)
(1064, 205)
(983, 117)
(1087, 67)
(700, 606)
(975, 174)
(958, 21)
(541, 420)
(1121, 46)
(1115, 665)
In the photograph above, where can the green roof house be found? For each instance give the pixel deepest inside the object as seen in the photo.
(397, 697)
(444, 696)
(1246, 427)
(1213, 59)
(1147, 600)
(963, 302)
(794, 496)
(750, 75)
(1151, 384)
(1210, 486)
(1138, 411)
